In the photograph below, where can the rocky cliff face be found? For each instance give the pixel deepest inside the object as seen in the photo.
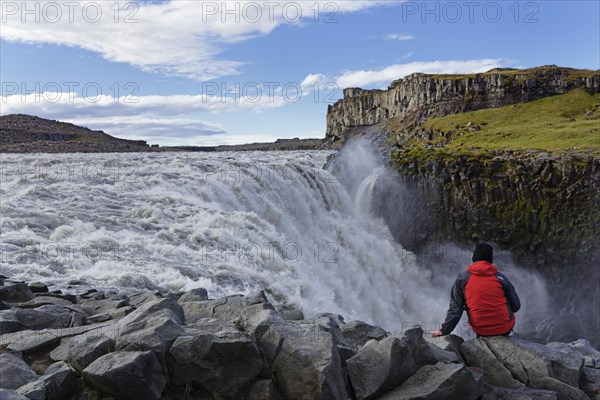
(542, 206)
(420, 96)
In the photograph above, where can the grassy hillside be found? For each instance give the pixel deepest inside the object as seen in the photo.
(570, 121)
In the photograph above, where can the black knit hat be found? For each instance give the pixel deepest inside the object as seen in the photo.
(483, 251)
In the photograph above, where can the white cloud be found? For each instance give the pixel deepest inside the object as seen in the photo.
(68, 104)
(182, 38)
(163, 131)
(384, 76)
(169, 131)
(399, 36)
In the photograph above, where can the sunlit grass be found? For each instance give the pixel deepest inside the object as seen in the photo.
(570, 121)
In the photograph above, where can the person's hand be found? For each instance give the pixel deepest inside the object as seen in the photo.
(437, 333)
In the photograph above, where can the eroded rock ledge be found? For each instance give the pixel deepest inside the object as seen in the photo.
(124, 344)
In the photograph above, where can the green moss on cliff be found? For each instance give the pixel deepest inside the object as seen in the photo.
(568, 121)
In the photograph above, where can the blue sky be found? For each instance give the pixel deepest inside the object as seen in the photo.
(214, 72)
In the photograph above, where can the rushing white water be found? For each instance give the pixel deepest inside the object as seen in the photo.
(228, 222)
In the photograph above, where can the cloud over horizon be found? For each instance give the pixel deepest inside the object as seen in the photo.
(174, 38)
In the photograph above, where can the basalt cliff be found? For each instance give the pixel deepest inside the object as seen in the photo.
(421, 96)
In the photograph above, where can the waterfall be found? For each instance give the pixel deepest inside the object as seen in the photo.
(228, 222)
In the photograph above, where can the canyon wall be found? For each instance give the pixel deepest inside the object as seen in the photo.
(419, 96)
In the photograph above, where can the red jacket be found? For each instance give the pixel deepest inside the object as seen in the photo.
(488, 297)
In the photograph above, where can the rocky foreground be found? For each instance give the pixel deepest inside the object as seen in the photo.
(109, 344)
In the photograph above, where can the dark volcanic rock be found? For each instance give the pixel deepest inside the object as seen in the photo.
(224, 363)
(478, 354)
(156, 332)
(241, 347)
(16, 293)
(6, 394)
(359, 332)
(263, 390)
(381, 366)
(530, 361)
(439, 381)
(82, 352)
(55, 384)
(194, 295)
(38, 287)
(127, 375)
(303, 355)
(495, 393)
(14, 372)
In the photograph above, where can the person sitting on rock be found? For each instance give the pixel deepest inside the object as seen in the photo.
(488, 296)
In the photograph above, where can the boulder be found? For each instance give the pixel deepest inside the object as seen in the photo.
(532, 361)
(290, 313)
(47, 317)
(4, 306)
(591, 356)
(44, 300)
(6, 394)
(263, 389)
(308, 364)
(9, 324)
(439, 381)
(87, 349)
(330, 323)
(380, 366)
(224, 363)
(94, 306)
(156, 332)
(127, 375)
(208, 325)
(228, 308)
(198, 294)
(38, 287)
(477, 354)
(563, 391)
(55, 384)
(447, 342)
(359, 332)
(442, 355)
(139, 299)
(121, 312)
(16, 293)
(100, 318)
(479, 378)
(339, 320)
(524, 393)
(29, 340)
(590, 382)
(14, 372)
(150, 307)
(303, 355)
